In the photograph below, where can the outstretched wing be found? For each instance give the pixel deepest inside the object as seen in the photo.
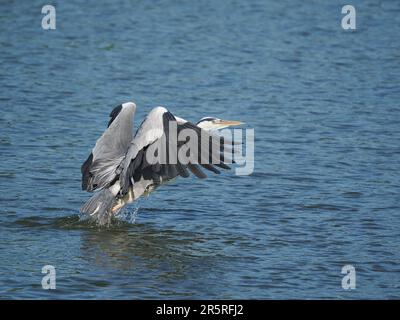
(155, 129)
(100, 168)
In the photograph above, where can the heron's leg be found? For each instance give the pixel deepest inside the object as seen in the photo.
(117, 207)
(122, 202)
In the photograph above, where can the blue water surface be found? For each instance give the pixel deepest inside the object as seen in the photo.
(324, 104)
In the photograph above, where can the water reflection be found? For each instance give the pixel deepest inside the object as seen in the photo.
(172, 263)
(134, 260)
(140, 246)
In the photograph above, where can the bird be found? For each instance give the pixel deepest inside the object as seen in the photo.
(118, 171)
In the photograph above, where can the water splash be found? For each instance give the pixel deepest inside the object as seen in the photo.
(129, 215)
(125, 216)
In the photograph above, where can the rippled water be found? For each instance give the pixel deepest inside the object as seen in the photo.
(324, 104)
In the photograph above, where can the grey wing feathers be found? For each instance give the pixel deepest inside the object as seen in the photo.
(100, 169)
(99, 205)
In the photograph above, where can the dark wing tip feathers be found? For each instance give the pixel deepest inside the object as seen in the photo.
(114, 113)
(194, 169)
(168, 116)
(209, 167)
(85, 170)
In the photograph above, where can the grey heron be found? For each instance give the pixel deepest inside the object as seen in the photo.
(117, 169)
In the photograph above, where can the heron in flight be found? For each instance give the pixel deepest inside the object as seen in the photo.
(118, 171)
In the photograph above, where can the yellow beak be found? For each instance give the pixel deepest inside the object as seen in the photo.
(229, 123)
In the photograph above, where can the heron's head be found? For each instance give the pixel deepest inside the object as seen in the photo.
(211, 123)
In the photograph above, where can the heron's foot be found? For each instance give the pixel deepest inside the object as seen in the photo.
(116, 208)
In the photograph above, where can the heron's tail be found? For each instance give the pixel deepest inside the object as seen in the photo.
(99, 206)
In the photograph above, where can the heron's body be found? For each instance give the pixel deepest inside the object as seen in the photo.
(118, 168)
(141, 188)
